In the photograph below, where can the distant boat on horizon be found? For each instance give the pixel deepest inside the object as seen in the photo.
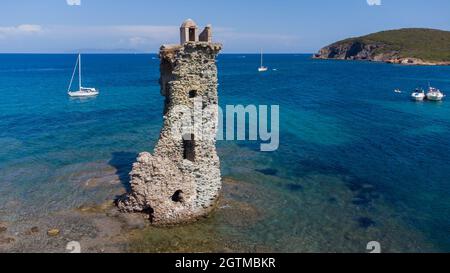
(262, 68)
(82, 91)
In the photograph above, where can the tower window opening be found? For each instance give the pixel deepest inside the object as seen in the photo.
(192, 94)
(192, 34)
(189, 147)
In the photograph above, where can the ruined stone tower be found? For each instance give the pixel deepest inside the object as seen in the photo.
(181, 181)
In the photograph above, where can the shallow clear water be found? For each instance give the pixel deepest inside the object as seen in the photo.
(357, 162)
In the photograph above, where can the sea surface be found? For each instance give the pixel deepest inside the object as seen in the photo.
(357, 162)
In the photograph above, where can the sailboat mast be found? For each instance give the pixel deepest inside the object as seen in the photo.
(261, 58)
(79, 71)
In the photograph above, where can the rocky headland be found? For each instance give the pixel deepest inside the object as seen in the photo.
(404, 46)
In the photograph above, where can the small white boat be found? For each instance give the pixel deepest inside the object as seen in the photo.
(435, 94)
(262, 68)
(398, 91)
(82, 91)
(418, 95)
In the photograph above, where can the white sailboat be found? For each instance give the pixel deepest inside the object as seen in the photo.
(82, 91)
(262, 68)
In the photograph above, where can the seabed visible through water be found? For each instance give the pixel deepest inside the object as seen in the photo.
(357, 162)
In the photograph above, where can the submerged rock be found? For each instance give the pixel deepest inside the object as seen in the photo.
(294, 187)
(268, 171)
(32, 231)
(365, 222)
(53, 232)
(6, 240)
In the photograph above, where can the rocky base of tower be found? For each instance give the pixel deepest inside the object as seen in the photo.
(168, 192)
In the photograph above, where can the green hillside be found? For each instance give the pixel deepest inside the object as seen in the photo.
(425, 44)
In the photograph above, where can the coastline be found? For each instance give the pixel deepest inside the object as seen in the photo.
(406, 46)
(399, 61)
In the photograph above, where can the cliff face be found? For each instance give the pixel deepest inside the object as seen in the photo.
(357, 50)
(407, 46)
(352, 50)
(181, 181)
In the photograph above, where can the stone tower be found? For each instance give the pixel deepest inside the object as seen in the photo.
(181, 181)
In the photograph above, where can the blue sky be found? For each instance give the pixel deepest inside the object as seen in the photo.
(300, 26)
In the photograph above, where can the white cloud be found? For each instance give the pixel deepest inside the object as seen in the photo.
(19, 30)
(374, 2)
(235, 40)
(29, 28)
(134, 38)
(124, 36)
(230, 33)
(73, 2)
(64, 38)
(137, 41)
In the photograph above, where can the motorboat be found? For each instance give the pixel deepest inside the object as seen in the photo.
(435, 94)
(418, 95)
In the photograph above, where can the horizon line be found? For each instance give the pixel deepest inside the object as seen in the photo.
(143, 53)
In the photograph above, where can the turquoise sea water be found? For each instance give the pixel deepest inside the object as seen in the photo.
(357, 162)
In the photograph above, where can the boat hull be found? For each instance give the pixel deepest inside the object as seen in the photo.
(418, 97)
(435, 97)
(83, 94)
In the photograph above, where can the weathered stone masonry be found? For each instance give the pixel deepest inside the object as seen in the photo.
(181, 181)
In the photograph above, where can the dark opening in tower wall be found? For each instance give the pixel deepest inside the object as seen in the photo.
(177, 196)
(192, 34)
(192, 94)
(189, 147)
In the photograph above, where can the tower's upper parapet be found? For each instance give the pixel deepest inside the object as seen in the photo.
(189, 32)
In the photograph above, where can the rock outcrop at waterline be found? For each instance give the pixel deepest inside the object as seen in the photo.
(181, 180)
(404, 46)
